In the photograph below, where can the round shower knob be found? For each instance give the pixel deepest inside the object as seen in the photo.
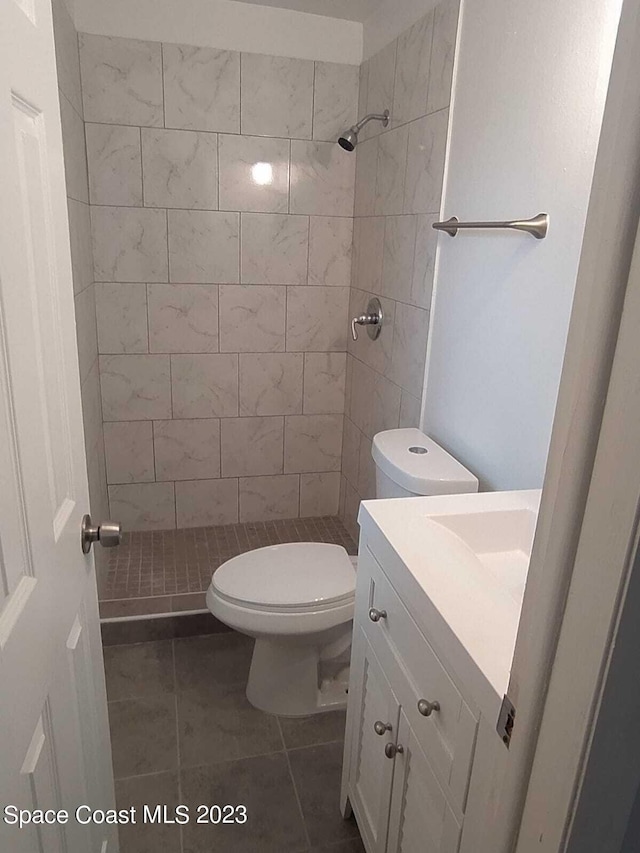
(380, 728)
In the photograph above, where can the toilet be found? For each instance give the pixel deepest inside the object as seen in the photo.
(297, 599)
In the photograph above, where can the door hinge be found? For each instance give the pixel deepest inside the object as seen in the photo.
(506, 719)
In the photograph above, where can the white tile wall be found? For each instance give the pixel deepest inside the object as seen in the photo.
(180, 168)
(183, 317)
(121, 80)
(201, 88)
(200, 503)
(275, 248)
(252, 319)
(271, 384)
(269, 498)
(322, 179)
(135, 387)
(222, 237)
(122, 318)
(115, 165)
(313, 443)
(277, 96)
(252, 446)
(254, 173)
(74, 149)
(129, 452)
(335, 102)
(187, 449)
(398, 187)
(319, 494)
(129, 244)
(203, 246)
(204, 386)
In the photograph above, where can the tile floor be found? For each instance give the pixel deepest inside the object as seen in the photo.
(164, 571)
(183, 732)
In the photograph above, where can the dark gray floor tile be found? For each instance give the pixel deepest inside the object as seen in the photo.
(309, 731)
(316, 772)
(355, 845)
(143, 735)
(144, 669)
(263, 784)
(218, 723)
(160, 789)
(213, 660)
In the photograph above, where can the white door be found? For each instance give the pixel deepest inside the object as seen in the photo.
(54, 741)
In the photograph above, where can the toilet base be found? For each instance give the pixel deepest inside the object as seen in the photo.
(293, 680)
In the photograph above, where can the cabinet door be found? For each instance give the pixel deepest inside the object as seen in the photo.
(371, 770)
(421, 819)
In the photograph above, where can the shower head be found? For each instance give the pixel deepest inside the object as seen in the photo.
(349, 139)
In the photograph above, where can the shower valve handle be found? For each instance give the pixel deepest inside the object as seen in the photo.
(372, 318)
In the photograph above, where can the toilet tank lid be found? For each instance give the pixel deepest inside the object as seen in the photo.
(416, 463)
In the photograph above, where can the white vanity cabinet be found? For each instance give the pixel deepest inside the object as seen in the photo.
(410, 733)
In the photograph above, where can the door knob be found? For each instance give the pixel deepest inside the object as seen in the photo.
(108, 534)
(392, 749)
(380, 728)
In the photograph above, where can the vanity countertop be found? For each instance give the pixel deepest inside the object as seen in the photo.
(460, 563)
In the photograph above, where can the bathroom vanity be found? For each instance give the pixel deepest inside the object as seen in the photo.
(439, 591)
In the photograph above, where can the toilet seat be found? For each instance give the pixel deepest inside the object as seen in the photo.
(293, 578)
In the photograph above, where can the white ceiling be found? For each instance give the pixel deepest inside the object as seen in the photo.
(350, 10)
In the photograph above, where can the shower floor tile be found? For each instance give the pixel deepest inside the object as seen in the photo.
(168, 571)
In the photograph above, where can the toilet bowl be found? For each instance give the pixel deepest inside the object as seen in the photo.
(297, 601)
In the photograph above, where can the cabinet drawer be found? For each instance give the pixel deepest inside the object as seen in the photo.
(447, 735)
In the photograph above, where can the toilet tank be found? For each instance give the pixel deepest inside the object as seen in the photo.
(409, 463)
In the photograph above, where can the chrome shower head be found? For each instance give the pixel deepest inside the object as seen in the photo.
(349, 139)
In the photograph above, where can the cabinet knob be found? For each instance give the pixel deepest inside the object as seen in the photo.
(376, 615)
(392, 749)
(427, 708)
(380, 728)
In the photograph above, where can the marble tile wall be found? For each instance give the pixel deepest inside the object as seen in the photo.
(222, 224)
(75, 157)
(399, 174)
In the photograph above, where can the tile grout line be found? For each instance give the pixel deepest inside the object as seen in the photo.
(297, 795)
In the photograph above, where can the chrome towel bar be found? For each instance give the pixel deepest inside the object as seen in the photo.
(537, 226)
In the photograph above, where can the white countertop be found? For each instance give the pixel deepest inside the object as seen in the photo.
(474, 585)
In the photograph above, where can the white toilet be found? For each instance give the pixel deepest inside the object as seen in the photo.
(297, 599)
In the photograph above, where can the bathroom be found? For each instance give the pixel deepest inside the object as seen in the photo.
(290, 352)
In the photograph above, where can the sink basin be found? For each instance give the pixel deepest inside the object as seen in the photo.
(500, 541)
(470, 554)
